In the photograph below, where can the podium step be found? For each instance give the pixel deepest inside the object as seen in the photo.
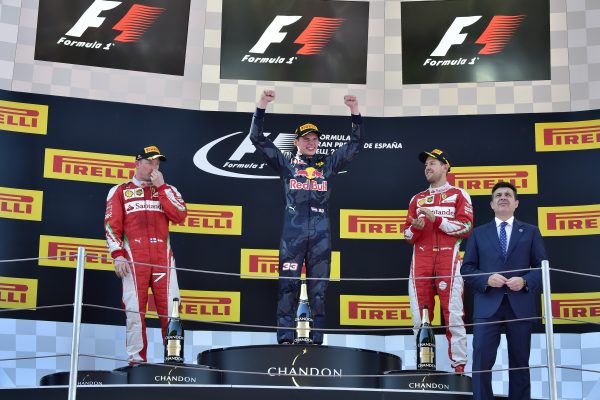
(317, 366)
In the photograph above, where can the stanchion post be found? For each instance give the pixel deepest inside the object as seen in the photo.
(549, 330)
(76, 323)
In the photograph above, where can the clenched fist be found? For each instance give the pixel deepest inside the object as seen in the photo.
(352, 103)
(266, 97)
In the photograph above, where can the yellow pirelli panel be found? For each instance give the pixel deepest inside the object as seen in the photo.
(21, 204)
(211, 219)
(88, 167)
(569, 220)
(60, 251)
(23, 117)
(379, 310)
(479, 181)
(18, 292)
(205, 306)
(264, 264)
(372, 224)
(567, 136)
(574, 308)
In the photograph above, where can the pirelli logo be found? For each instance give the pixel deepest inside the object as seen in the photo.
(566, 136)
(59, 251)
(211, 219)
(88, 167)
(582, 307)
(479, 181)
(18, 292)
(372, 224)
(379, 310)
(264, 264)
(569, 220)
(205, 306)
(23, 117)
(21, 204)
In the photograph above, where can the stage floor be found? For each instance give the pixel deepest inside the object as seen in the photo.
(224, 392)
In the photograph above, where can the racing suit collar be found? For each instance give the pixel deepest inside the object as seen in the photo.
(302, 157)
(440, 189)
(139, 183)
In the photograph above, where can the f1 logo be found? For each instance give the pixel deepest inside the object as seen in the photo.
(495, 37)
(316, 35)
(133, 25)
(91, 18)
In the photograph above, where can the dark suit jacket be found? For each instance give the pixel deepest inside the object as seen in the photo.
(483, 254)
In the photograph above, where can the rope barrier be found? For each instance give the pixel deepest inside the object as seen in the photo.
(578, 321)
(229, 371)
(575, 273)
(258, 276)
(578, 369)
(34, 259)
(238, 325)
(34, 357)
(314, 329)
(35, 308)
(60, 355)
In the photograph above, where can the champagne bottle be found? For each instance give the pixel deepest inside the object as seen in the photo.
(425, 344)
(303, 318)
(174, 337)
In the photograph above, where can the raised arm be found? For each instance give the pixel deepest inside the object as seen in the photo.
(346, 153)
(272, 154)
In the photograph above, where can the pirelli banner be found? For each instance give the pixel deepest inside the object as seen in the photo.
(60, 157)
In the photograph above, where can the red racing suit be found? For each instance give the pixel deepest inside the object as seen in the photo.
(436, 253)
(137, 227)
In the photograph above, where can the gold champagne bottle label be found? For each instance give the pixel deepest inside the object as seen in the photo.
(426, 354)
(303, 329)
(174, 348)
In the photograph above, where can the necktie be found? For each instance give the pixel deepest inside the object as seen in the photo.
(503, 241)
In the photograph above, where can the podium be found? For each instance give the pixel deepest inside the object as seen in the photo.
(318, 366)
(86, 378)
(438, 381)
(315, 372)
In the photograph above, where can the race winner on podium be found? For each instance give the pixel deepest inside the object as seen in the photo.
(306, 237)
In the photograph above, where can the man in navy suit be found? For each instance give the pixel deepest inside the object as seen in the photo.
(496, 248)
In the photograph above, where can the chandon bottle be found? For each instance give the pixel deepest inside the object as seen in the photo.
(174, 337)
(425, 344)
(303, 318)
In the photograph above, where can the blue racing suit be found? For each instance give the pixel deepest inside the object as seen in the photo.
(306, 236)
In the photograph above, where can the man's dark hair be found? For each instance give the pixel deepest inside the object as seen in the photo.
(502, 184)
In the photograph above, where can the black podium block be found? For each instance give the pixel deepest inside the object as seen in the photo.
(167, 374)
(318, 366)
(88, 378)
(424, 380)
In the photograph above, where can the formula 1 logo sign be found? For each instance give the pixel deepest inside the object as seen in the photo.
(139, 35)
(233, 155)
(295, 40)
(465, 41)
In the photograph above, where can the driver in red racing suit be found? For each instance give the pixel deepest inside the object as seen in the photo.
(438, 219)
(137, 233)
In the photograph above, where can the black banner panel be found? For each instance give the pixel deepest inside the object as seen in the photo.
(295, 40)
(138, 35)
(59, 157)
(475, 41)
